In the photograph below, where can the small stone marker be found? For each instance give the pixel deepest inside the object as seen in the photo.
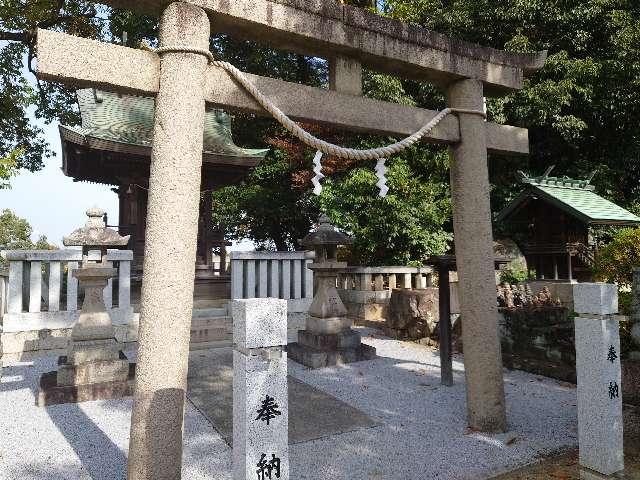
(260, 394)
(599, 378)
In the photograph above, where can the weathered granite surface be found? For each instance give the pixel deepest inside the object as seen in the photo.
(475, 262)
(413, 314)
(599, 397)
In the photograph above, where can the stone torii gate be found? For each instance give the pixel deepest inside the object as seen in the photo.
(182, 82)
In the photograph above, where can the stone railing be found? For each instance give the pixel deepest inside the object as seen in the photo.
(384, 278)
(42, 294)
(366, 291)
(282, 275)
(4, 290)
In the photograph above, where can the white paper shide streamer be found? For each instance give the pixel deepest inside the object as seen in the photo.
(381, 173)
(317, 169)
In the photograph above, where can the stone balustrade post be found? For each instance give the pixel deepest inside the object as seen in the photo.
(597, 336)
(260, 396)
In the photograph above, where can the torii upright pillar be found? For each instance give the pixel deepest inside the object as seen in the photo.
(155, 448)
(475, 260)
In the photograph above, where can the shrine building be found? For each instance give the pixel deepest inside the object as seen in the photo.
(554, 219)
(113, 147)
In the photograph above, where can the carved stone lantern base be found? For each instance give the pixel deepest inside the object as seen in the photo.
(317, 350)
(94, 367)
(328, 339)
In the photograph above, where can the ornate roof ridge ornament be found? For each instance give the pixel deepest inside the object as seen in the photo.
(560, 182)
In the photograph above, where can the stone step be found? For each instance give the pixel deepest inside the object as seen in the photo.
(208, 345)
(211, 329)
(210, 336)
(209, 312)
(211, 322)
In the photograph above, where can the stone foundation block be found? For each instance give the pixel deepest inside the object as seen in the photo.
(328, 326)
(99, 371)
(50, 393)
(93, 351)
(315, 358)
(343, 340)
(595, 298)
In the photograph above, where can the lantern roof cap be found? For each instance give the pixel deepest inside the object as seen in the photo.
(326, 234)
(95, 233)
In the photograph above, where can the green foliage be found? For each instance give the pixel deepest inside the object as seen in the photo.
(19, 136)
(402, 229)
(8, 169)
(15, 234)
(582, 108)
(266, 208)
(616, 261)
(514, 272)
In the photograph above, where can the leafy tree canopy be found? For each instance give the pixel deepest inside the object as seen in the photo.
(7, 170)
(616, 261)
(582, 108)
(15, 234)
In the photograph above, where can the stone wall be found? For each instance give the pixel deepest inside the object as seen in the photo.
(539, 340)
(542, 341)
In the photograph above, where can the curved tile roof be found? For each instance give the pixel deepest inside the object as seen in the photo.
(128, 120)
(576, 197)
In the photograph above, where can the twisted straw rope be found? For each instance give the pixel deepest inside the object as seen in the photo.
(306, 137)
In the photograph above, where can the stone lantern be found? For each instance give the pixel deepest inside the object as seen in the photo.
(328, 339)
(94, 367)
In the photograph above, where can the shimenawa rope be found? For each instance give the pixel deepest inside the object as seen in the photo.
(311, 140)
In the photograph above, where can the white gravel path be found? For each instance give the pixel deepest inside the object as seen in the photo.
(423, 433)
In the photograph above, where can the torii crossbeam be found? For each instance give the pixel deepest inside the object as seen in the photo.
(183, 82)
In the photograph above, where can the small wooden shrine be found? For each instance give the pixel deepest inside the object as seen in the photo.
(113, 147)
(553, 218)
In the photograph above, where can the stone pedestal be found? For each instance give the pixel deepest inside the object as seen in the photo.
(328, 339)
(260, 393)
(600, 420)
(94, 367)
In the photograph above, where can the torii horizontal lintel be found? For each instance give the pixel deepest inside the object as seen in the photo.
(326, 29)
(88, 63)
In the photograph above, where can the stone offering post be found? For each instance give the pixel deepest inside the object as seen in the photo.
(94, 367)
(599, 378)
(328, 339)
(260, 395)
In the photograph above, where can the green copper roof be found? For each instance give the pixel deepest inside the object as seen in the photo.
(128, 120)
(576, 197)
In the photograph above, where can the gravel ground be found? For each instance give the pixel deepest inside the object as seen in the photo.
(423, 433)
